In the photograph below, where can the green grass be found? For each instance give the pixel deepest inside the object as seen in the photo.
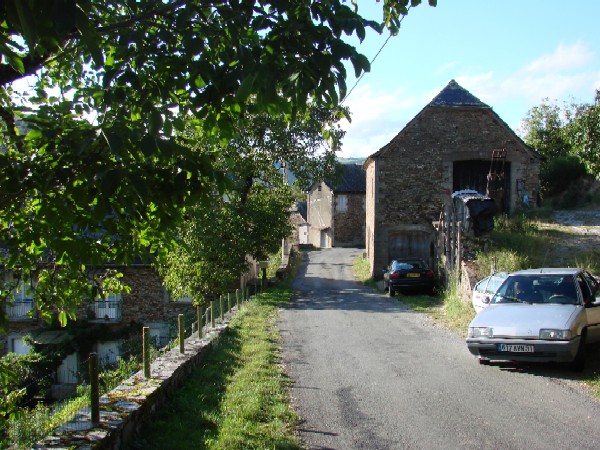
(238, 398)
(362, 270)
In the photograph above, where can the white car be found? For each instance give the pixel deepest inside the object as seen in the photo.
(539, 315)
(485, 289)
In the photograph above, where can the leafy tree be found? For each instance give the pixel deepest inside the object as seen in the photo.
(91, 169)
(252, 216)
(544, 130)
(584, 133)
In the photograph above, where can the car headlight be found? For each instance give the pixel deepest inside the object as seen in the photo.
(555, 335)
(480, 332)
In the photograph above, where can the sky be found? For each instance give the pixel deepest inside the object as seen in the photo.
(511, 54)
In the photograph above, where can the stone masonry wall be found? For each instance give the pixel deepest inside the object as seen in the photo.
(414, 171)
(319, 214)
(349, 225)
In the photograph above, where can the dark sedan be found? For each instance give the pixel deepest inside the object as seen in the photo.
(408, 274)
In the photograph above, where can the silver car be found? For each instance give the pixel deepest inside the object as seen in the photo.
(539, 315)
(485, 289)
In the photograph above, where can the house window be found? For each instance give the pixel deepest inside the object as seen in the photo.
(108, 308)
(21, 302)
(342, 203)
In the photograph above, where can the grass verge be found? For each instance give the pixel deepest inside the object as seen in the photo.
(238, 398)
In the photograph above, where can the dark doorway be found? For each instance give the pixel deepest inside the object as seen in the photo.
(473, 174)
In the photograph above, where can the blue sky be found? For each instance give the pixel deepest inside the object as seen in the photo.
(511, 54)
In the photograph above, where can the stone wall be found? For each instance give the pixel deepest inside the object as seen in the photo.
(410, 179)
(130, 406)
(349, 225)
(319, 215)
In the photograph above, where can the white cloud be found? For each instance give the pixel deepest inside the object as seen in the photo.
(564, 57)
(445, 68)
(569, 72)
(376, 118)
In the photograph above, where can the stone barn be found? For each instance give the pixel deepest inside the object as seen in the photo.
(456, 142)
(336, 209)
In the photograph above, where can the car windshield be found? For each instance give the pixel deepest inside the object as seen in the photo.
(557, 289)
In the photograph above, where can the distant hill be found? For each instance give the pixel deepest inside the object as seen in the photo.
(351, 160)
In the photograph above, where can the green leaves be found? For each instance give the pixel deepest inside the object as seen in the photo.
(103, 166)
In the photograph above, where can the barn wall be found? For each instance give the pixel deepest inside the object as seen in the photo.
(414, 175)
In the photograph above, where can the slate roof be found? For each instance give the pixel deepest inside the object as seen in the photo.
(350, 178)
(300, 208)
(454, 95)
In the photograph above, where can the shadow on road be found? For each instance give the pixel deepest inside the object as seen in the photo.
(350, 299)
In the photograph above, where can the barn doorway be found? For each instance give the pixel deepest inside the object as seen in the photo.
(473, 174)
(410, 244)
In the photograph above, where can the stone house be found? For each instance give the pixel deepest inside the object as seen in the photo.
(148, 304)
(454, 143)
(336, 209)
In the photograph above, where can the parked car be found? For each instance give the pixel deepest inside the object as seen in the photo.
(408, 274)
(484, 290)
(539, 315)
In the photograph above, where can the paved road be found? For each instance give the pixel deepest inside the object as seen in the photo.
(371, 374)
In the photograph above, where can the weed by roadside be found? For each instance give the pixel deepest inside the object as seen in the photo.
(362, 271)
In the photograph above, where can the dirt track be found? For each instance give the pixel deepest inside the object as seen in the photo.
(577, 233)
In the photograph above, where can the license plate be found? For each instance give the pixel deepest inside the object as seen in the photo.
(515, 348)
(413, 275)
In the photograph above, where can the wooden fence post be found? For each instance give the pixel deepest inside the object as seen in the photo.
(181, 333)
(221, 308)
(228, 301)
(94, 388)
(212, 314)
(237, 299)
(199, 318)
(146, 351)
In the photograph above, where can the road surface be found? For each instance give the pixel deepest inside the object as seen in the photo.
(369, 373)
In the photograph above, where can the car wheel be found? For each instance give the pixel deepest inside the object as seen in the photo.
(392, 292)
(578, 364)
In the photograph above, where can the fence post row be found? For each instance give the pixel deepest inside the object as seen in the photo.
(93, 361)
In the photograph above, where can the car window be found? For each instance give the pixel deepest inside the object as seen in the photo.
(557, 289)
(593, 287)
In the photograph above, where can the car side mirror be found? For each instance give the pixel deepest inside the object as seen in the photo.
(486, 300)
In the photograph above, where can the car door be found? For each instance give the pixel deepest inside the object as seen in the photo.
(590, 288)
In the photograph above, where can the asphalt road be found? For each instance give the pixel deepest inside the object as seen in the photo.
(369, 373)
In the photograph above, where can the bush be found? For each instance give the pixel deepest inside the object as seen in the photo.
(557, 174)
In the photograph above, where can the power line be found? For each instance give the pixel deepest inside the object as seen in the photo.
(374, 57)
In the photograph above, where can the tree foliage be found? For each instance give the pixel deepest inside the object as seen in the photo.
(92, 168)
(251, 216)
(584, 134)
(544, 130)
(569, 139)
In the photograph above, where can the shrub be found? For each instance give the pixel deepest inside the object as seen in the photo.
(557, 174)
